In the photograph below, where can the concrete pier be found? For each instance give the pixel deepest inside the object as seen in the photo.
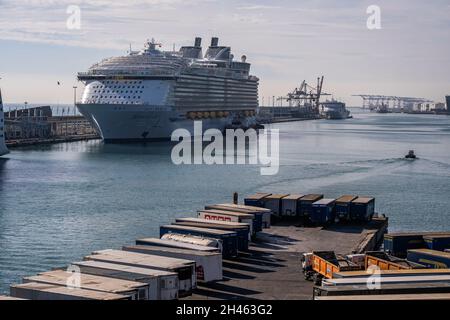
(272, 268)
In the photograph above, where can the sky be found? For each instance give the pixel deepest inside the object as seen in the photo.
(286, 41)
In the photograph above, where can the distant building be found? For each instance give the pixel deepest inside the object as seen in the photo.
(447, 99)
(39, 123)
(37, 113)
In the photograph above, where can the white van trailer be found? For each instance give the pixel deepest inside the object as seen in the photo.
(208, 265)
(136, 290)
(387, 280)
(228, 216)
(44, 291)
(196, 240)
(9, 298)
(174, 244)
(163, 285)
(266, 213)
(185, 269)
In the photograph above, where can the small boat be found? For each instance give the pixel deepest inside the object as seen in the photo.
(411, 155)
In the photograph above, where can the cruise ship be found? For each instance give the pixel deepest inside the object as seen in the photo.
(148, 94)
(3, 148)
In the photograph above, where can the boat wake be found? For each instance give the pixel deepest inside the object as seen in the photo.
(346, 172)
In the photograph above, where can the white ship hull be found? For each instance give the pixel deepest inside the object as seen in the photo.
(128, 123)
(3, 148)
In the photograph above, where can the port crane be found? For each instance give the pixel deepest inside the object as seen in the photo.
(375, 102)
(307, 96)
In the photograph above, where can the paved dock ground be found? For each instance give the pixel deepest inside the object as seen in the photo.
(271, 270)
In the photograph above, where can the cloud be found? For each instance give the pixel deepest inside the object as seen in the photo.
(103, 22)
(258, 7)
(282, 39)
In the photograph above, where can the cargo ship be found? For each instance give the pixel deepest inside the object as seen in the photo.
(3, 148)
(146, 95)
(335, 110)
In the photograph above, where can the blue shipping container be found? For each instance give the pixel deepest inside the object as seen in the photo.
(343, 207)
(256, 200)
(398, 244)
(229, 239)
(437, 242)
(323, 212)
(430, 258)
(258, 222)
(306, 204)
(362, 209)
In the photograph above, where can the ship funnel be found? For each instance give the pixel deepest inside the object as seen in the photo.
(214, 42)
(198, 42)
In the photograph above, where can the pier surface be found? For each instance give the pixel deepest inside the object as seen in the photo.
(272, 270)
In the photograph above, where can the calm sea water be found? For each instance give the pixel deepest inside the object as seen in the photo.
(60, 202)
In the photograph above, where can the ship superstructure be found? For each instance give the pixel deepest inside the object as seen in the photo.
(3, 148)
(146, 95)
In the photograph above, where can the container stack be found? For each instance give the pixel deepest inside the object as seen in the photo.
(314, 209)
(190, 250)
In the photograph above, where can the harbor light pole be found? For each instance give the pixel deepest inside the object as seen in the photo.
(74, 100)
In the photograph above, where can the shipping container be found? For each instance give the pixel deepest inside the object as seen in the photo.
(387, 262)
(343, 207)
(323, 212)
(176, 244)
(290, 206)
(362, 209)
(44, 291)
(430, 258)
(228, 239)
(242, 229)
(262, 215)
(136, 290)
(208, 265)
(185, 269)
(256, 200)
(401, 288)
(392, 273)
(386, 280)
(398, 244)
(273, 202)
(163, 285)
(306, 203)
(437, 242)
(228, 216)
(390, 297)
